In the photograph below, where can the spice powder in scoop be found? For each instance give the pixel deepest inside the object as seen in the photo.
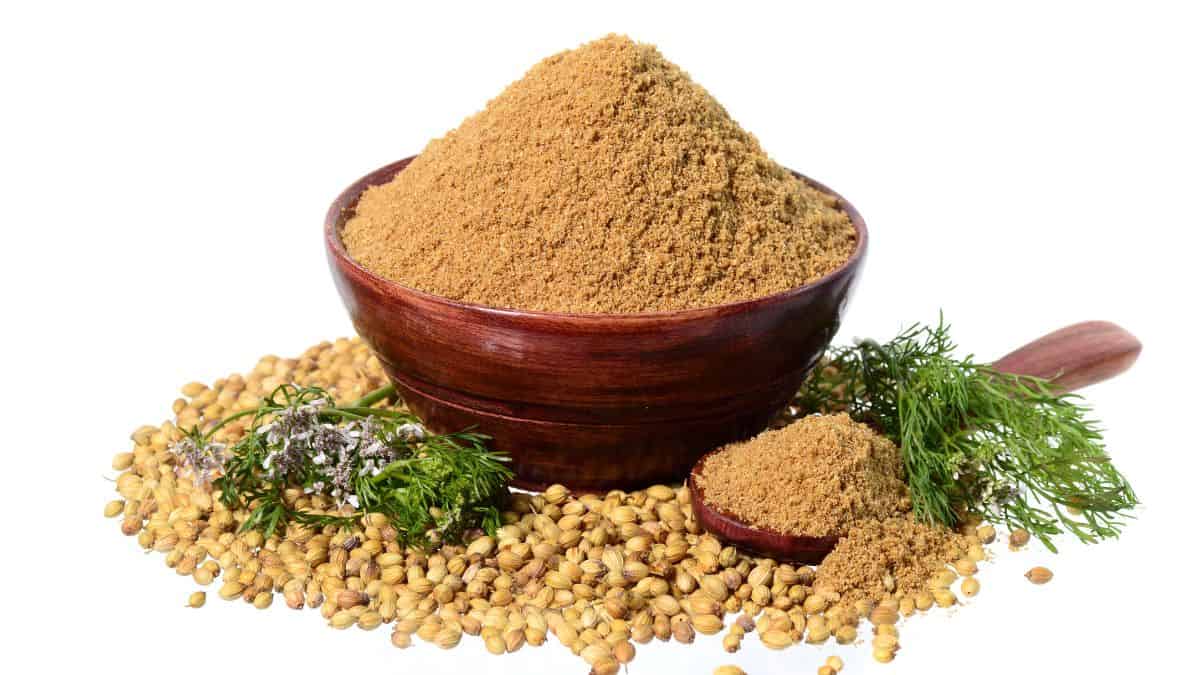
(816, 477)
(603, 181)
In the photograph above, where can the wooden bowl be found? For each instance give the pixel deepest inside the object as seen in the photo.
(593, 401)
(731, 530)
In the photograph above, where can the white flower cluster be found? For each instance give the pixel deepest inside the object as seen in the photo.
(321, 455)
(290, 436)
(999, 496)
(990, 493)
(205, 459)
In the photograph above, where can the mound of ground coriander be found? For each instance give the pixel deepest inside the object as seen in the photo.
(879, 559)
(816, 477)
(604, 181)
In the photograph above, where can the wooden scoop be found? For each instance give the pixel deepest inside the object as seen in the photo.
(1072, 358)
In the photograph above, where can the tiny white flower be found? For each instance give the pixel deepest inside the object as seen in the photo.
(412, 431)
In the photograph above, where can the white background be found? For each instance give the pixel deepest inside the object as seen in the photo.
(165, 170)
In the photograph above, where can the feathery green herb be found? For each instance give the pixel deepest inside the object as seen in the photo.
(975, 440)
(367, 459)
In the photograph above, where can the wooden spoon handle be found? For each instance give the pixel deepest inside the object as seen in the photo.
(1076, 356)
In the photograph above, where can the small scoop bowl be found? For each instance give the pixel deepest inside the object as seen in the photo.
(1073, 357)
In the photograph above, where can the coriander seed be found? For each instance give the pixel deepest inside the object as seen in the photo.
(1018, 538)
(970, 587)
(1039, 575)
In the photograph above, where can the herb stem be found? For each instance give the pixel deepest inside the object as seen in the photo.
(356, 410)
(218, 426)
(373, 397)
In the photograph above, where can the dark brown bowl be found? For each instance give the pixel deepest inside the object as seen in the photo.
(591, 400)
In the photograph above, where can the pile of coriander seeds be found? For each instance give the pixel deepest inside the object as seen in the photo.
(597, 573)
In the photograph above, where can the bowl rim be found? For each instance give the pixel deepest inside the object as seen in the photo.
(351, 194)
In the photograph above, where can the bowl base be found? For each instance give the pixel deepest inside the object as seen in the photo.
(596, 456)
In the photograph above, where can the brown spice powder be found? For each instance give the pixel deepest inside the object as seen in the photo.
(816, 476)
(604, 181)
(879, 559)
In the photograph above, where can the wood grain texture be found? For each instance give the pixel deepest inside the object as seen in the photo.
(1076, 356)
(1073, 357)
(591, 401)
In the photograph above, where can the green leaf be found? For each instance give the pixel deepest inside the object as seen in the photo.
(976, 440)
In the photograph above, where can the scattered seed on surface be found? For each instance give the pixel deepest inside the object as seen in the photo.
(495, 644)
(970, 587)
(884, 614)
(604, 570)
(1039, 575)
(944, 597)
(1018, 538)
(731, 642)
(606, 666)
(885, 641)
(776, 639)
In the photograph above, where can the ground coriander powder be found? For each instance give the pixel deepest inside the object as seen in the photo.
(879, 559)
(603, 181)
(817, 477)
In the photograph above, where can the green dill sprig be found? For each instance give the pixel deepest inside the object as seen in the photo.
(975, 440)
(431, 487)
